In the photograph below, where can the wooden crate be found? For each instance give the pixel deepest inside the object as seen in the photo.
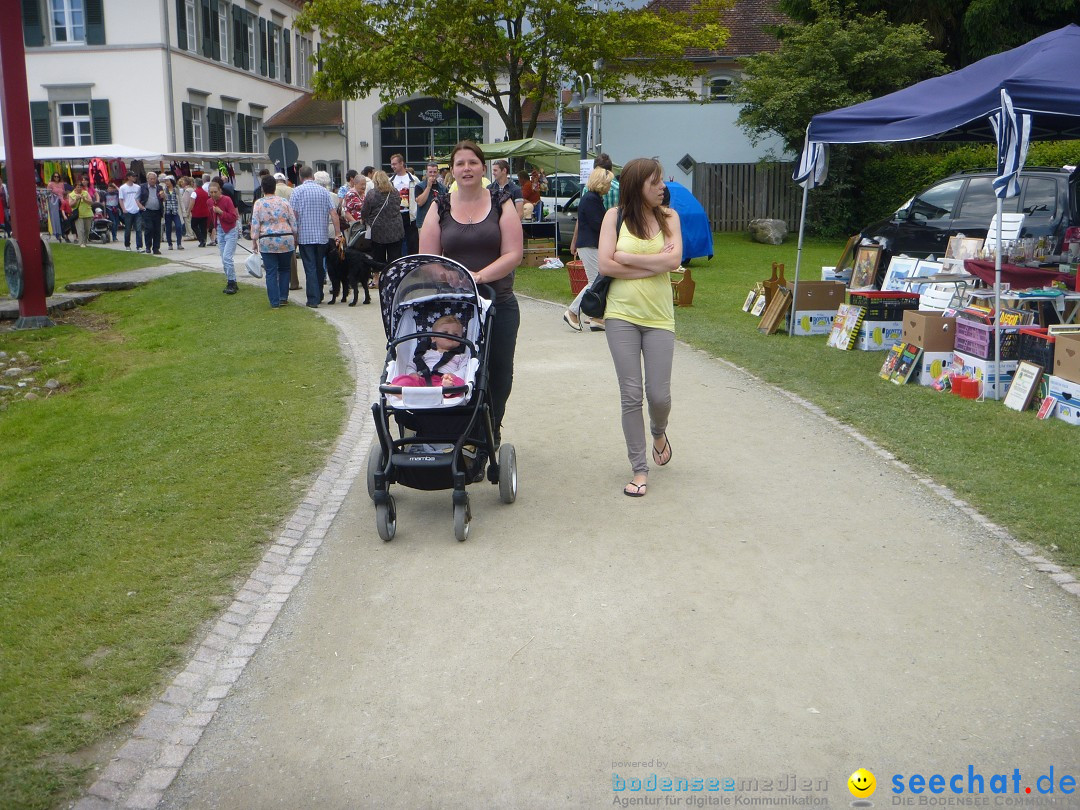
(541, 244)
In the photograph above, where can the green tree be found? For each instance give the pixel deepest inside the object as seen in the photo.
(510, 54)
(964, 30)
(827, 64)
(832, 62)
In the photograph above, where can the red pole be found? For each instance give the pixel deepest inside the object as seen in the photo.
(22, 192)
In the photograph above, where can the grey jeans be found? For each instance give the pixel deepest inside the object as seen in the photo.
(629, 345)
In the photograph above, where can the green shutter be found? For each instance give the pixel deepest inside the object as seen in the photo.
(208, 26)
(189, 133)
(181, 25)
(95, 22)
(215, 121)
(262, 46)
(215, 31)
(241, 129)
(33, 33)
(239, 39)
(100, 125)
(286, 49)
(41, 123)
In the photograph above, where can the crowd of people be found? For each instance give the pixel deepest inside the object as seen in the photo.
(625, 230)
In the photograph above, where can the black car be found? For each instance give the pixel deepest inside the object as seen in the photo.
(964, 204)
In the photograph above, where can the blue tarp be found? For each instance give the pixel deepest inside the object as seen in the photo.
(696, 233)
(1042, 78)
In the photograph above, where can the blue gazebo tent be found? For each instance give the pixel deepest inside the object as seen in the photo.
(696, 233)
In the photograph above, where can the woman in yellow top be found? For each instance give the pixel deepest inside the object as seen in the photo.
(639, 253)
(83, 205)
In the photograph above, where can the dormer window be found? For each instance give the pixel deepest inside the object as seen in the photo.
(719, 87)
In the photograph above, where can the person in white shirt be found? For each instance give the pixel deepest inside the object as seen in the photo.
(404, 183)
(132, 208)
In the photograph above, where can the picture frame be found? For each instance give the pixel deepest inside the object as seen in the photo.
(867, 259)
(1023, 385)
(922, 270)
(900, 268)
(759, 305)
(749, 302)
(963, 247)
(778, 307)
(848, 255)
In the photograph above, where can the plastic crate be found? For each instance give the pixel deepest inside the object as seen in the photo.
(578, 279)
(1036, 346)
(977, 339)
(888, 305)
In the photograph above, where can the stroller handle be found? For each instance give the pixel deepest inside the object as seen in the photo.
(448, 390)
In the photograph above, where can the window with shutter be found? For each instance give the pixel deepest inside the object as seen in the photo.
(33, 32)
(41, 123)
(242, 130)
(215, 31)
(262, 46)
(101, 125)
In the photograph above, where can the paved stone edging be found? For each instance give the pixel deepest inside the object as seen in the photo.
(144, 767)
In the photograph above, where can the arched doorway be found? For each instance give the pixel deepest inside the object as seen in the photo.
(426, 128)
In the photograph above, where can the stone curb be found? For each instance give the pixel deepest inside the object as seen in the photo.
(143, 768)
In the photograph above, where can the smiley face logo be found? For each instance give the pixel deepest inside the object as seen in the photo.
(862, 784)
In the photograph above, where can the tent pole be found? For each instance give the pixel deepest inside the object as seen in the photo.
(997, 306)
(798, 258)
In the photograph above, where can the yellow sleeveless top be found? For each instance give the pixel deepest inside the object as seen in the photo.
(643, 301)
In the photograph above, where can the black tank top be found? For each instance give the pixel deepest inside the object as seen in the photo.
(477, 245)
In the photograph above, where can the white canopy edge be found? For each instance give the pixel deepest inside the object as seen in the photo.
(110, 151)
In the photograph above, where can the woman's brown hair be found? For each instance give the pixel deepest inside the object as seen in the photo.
(469, 145)
(636, 210)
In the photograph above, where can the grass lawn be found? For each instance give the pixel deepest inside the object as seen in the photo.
(73, 263)
(1003, 462)
(187, 427)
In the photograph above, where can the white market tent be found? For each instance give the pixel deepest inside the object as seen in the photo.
(110, 151)
(1030, 92)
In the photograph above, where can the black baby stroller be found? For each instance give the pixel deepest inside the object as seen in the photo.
(100, 227)
(444, 432)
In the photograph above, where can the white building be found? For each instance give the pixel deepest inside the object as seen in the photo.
(168, 76)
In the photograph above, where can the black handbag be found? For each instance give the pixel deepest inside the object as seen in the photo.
(594, 299)
(359, 237)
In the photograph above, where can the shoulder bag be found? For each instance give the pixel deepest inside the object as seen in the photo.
(594, 299)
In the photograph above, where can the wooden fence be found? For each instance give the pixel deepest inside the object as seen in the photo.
(735, 193)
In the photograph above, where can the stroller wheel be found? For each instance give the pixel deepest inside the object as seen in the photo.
(462, 521)
(374, 464)
(508, 478)
(386, 519)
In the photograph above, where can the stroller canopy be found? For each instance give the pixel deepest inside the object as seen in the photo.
(412, 280)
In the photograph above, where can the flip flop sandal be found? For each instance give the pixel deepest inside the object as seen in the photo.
(659, 454)
(638, 490)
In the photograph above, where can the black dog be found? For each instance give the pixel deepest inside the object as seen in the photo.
(354, 270)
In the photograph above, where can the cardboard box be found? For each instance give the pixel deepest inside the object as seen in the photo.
(1067, 357)
(819, 296)
(1067, 393)
(932, 365)
(879, 336)
(541, 244)
(534, 257)
(814, 322)
(981, 369)
(930, 331)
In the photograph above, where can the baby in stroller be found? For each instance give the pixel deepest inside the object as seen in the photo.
(100, 227)
(438, 360)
